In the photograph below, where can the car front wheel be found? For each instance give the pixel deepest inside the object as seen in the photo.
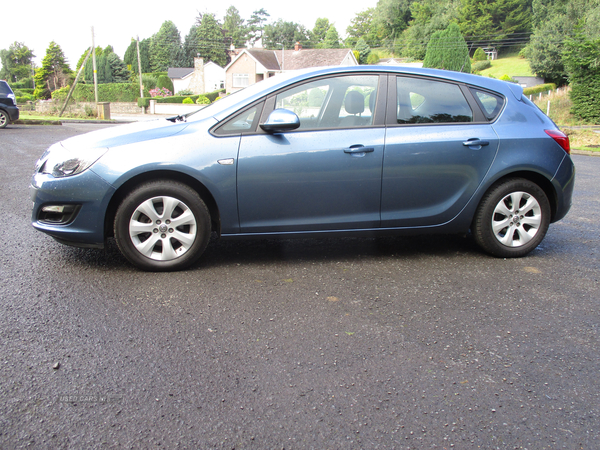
(512, 219)
(162, 226)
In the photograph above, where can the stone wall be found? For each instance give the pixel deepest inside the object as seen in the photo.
(85, 108)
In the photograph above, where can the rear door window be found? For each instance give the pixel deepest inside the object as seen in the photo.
(422, 101)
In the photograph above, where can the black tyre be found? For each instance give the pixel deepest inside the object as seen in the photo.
(162, 226)
(512, 218)
(4, 119)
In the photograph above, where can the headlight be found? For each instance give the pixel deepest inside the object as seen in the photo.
(60, 162)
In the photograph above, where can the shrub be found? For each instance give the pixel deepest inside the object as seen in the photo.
(185, 92)
(539, 88)
(61, 94)
(25, 83)
(481, 65)
(165, 82)
(187, 101)
(373, 58)
(508, 78)
(160, 92)
(202, 100)
(212, 96)
(148, 81)
(479, 55)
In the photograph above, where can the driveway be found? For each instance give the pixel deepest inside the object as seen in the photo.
(353, 343)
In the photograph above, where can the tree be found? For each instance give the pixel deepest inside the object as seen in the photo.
(391, 18)
(54, 73)
(256, 25)
(210, 41)
(581, 58)
(361, 26)
(493, 21)
(118, 69)
(286, 33)
(448, 50)
(553, 20)
(363, 51)
(131, 57)
(165, 48)
(16, 62)
(318, 33)
(332, 38)
(234, 29)
(428, 16)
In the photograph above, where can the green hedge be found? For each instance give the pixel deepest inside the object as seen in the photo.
(539, 88)
(111, 92)
(481, 65)
(145, 101)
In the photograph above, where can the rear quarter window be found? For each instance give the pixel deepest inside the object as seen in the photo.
(491, 104)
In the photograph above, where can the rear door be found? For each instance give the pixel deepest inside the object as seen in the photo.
(439, 146)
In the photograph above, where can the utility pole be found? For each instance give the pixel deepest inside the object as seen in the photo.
(95, 69)
(140, 70)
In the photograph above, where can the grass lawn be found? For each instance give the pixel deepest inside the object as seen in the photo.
(512, 66)
(32, 115)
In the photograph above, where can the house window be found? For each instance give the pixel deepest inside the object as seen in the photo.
(240, 80)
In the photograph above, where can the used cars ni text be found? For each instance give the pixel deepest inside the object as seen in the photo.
(329, 151)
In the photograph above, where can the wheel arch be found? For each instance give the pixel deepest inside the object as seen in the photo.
(543, 182)
(156, 175)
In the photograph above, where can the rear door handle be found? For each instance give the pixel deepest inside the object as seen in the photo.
(475, 142)
(359, 149)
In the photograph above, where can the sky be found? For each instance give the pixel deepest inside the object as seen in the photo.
(69, 23)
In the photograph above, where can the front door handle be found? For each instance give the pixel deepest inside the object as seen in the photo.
(359, 149)
(475, 142)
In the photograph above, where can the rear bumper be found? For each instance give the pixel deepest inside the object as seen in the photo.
(12, 111)
(564, 182)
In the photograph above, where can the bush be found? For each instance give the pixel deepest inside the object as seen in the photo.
(160, 92)
(479, 55)
(373, 58)
(165, 82)
(508, 78)
(481, 65)
(61, 94)
(539, 88)
(148, 81)
(202, 100)
(187, 101)
(26, 83)
(212, 96)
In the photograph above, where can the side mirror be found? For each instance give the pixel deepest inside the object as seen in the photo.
(281, 120)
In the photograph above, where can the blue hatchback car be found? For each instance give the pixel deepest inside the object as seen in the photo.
(362, 150)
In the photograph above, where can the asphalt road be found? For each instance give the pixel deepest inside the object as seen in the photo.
(328, 344)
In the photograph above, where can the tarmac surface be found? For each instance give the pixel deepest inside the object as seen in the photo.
(393, 343)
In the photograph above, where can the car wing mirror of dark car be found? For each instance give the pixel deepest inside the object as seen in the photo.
(281, 120)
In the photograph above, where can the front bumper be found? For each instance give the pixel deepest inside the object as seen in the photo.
(72, 209)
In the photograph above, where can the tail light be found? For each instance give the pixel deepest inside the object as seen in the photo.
(561, 139)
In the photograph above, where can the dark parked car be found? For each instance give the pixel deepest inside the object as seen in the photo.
(331, 151)
(8, 105)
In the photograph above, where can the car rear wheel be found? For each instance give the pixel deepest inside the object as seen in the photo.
(162, 226)
(512, 219)
(3, 119)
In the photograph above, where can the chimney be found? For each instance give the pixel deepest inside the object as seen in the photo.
(297, 47)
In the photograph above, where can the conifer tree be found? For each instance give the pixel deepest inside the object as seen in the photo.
(448, 50)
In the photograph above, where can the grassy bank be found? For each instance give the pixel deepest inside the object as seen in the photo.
(512, 66)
